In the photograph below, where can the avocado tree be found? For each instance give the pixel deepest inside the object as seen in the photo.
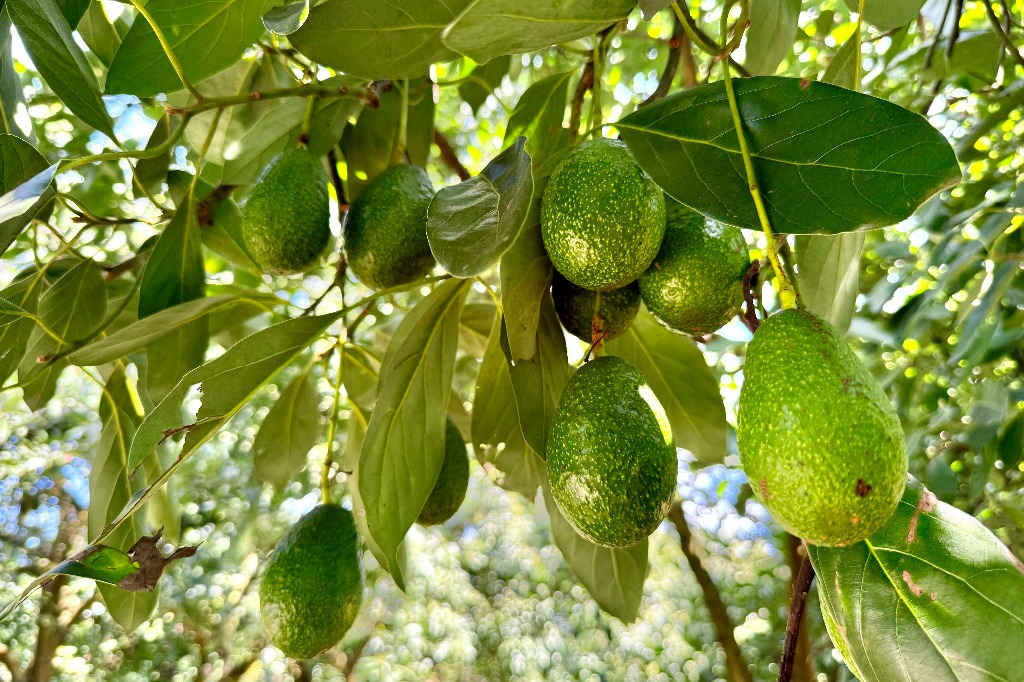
(339, 247)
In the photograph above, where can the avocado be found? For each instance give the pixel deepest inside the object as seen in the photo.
(593, 316)
(695, 284)
(818, 439)
(313, 585)
(287, 217)
(386, 230)
(611, 458)
(450, 489)
(602, 217)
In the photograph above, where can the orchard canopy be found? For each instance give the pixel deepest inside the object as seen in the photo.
(200, 344)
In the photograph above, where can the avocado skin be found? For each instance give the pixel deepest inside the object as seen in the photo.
(695, 284)
(450, 490)
(287, 217)
(588, 314)
(602, 217)
(386, 230)
(313, 585)
(818, 438)
(611, 458)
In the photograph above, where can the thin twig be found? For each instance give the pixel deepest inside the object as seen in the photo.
(801, 587)
(585, 83)
(1011, 49)
(449, 157)
(668, 74)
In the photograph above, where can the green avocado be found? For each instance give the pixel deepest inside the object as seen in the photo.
(695, 284)
(450, 489)
(592, 316)
(313, 585)
(602, 217)
(611, 458)
(287, 217)
(818, 438)
(386, 229)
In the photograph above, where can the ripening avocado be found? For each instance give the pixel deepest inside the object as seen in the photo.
(602, 217)
(695, 284)
(386, 230)
(611, 458)
(450, 489)
(818, 438)
(287, 217)
(313, 585)
(593, 316)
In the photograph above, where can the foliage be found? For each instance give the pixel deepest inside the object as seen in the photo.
(153, 376)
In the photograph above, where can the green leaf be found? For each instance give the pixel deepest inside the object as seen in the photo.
(837, 161)
(841, 67)
(286, 16)
(370, 144)
(538, 382)
(227, 383)
(14, 337)
(152, 172)
(360, 377)
(483, 80)
(25, 186)
(128, 609)
(829, 270)
(538, 117)
(526, 274)
(72, 308)
(886, 15)
(614, 577)
(497, 437)
(223, 235)
(375, 39)
(62, 64)
(175, 272)
(686, 387)
(404, 447)
(649, 8)
(770, 36)
(486, 28)
(272, 134)
(99, 34)
(137, 336)
(288, 433)
(73, 11)
(924, 597)
(10, 313)
(10, 83)
(472, 224)
(206, 36)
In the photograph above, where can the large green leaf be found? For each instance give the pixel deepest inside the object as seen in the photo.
(288, 433)
(404, 447)
(206, 36)
(614, 577)
(60, 61)
(496, 435)
(933, 595)
(538, 117)
(676, 371)
(360, 377)
(25, 186)
(14, 337)
(487, 28)
(99, 34)
(472, 224)
(538, 382)
(374, 39)
(829, 267)
(72, 308)
(526, 273)
(886, 15)
(828, 160)
(770, 36)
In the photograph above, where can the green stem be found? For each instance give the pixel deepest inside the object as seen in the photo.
(596, 118)
(325, 486)
(698, 37)
(787, 294)
(307, 122)
(162, 39)
(857, 46)
(151, 153)
(403, 125)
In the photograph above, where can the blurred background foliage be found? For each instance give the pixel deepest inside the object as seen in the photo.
(939, 316)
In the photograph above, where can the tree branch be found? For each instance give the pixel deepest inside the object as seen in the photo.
(803, 664)
(735, 662)
(801, 586)
(675, 49)
(448, 155)
(1011, 49)
(585, 83)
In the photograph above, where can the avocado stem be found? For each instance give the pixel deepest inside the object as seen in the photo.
(787, 294)
(403, 125)
(325, 475)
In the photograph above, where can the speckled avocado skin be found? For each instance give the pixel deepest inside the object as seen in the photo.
(287, 217)
(695, 284)
(602, 217)
(313, 585)
(818, 438)
(450, 489)
(589, 315)
(386, 230)
(611, 458)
